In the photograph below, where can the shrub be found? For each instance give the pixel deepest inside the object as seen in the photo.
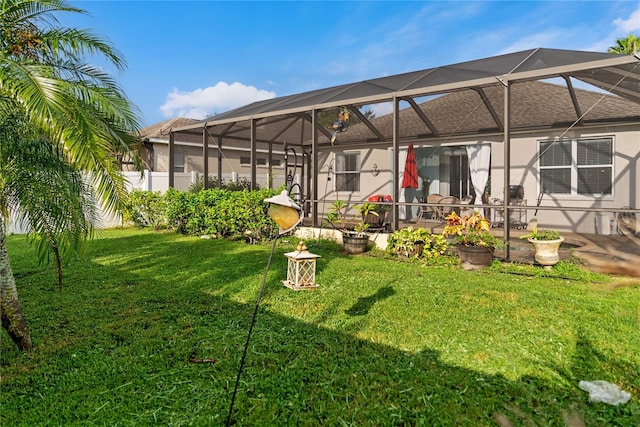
(405, 241)
(146, 209)
(220, 212)
(178, 209)
(242, 184)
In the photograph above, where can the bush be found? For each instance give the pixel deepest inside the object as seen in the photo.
(146, 209)
(242, 184)
(406, 241)
(220, 212)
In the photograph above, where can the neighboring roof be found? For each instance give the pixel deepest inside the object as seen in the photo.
(161, 130)
(288, 118)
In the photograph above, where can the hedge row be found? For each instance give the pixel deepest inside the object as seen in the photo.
(218, 212)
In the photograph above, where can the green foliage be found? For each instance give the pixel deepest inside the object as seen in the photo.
(241, 184)
(219, 212)
(327, 117)
(367, 208)
(416, 346)
(80, 115)
(404, 242)
(542, 235)
(472, 230)
(77, 105)
(178, 209)
(626, 46)
(146, 209)
(336, 216)
(39, 188)
(564, 269)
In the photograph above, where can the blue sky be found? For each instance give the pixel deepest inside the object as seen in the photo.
(199, 58)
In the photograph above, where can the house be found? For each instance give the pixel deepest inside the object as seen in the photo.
(234, 160)
(478, 128)
(559, 161)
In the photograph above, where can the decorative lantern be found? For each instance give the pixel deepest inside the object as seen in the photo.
(301, 270)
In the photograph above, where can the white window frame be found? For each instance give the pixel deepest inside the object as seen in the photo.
(342, 173)
(179, 161)
(574, 168)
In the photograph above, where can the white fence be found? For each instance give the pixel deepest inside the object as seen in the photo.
(159, 181)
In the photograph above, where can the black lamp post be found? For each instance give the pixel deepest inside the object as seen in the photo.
(286, 213)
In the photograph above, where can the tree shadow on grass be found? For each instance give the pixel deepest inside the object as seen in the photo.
(364, 304)
(133, 366)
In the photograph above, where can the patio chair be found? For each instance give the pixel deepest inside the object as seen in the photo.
(446, 210)
(431, 212)
(466, 210)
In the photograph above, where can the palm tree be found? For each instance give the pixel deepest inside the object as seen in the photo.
(626, 46)
(77, 118)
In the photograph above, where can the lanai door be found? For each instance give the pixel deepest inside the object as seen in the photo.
(454, 174)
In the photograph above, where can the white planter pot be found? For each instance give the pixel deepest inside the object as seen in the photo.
(547, 251)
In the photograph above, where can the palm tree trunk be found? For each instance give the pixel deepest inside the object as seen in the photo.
(10, 312)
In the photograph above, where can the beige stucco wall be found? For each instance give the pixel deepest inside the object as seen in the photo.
(373, 179)
(231, 165)
(524, 171)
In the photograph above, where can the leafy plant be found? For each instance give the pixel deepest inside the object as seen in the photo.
(146, 209)
(336, 217)
(405, 242)
(239, 185)
(541, 234)
(372, 213)
(367, 208)
(472, 230)
(360, 228)
(220, 212)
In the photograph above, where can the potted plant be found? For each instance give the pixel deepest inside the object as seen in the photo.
(354, 241)
(373, 214)
(473, 240)
(546, 244)
(368, 213)
(407, 242)
(416, 243)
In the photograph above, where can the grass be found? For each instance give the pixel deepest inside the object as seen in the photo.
(380, 342)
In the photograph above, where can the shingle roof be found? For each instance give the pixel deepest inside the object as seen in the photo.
(534, 105)
(161, 130)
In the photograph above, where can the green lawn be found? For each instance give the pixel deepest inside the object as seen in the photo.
(380, 342)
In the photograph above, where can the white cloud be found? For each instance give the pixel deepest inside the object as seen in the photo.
(629, 25)
(621, 29)
(201, 103)
(382, 108)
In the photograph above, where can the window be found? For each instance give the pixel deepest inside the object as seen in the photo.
(246, 161)
(348, 172)
(577, 167)
(178, 161)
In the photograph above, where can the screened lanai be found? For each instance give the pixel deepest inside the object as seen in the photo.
(292, 123)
